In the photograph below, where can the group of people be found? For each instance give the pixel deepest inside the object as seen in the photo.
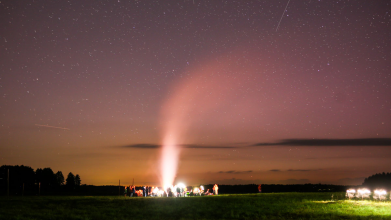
(131, 191)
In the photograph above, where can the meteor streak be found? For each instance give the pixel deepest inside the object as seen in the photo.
(282, 15)
(48, 126)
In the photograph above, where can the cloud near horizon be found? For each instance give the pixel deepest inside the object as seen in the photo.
(300, 170)
(294, 170)
(331, 142)
(236, 172)
(359, 142)
(191, 146)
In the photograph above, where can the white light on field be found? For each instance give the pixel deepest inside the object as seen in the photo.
(363, 193)
(350, 193)
(380, 194)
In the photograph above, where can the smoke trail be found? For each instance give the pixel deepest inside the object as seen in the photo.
(192, 104)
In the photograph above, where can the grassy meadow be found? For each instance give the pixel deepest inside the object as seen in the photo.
(242, 206)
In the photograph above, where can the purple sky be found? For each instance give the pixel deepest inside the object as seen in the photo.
(92, 87)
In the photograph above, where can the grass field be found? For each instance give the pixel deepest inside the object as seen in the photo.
(244, 206)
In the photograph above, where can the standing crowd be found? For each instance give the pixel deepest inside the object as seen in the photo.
(131, 191)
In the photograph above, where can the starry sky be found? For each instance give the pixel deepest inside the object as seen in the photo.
(256, 91)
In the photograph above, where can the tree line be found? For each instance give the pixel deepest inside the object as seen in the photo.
(17, 180)
(378, 180)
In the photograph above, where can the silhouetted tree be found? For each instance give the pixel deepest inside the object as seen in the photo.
(77, 180)
(49, 178)
(46, 177)
(70, 181)
(38, 175)
(18, 176)
(60, 178)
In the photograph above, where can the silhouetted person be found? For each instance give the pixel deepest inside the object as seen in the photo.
(126, 191)
(134, 190)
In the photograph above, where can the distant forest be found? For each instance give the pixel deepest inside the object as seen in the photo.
(23, 180)
(379, 180)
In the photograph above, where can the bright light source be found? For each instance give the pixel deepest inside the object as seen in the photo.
(363, 193)
(160, 193)
(380, 194)
(181, 185)
(350, 193)
(196, 190)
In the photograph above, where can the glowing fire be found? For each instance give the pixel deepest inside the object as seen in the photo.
(169, 162)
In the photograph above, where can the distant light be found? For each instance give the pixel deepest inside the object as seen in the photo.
(350, 193)
(160, 193)
(380, 194)
(363, 193)
(181, 185)
(196, 190)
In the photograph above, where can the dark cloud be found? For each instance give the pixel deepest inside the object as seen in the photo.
(143, 146)
(286, 142)
(191, 146)
(365, 156)
(300, 170)
(203, 146)
(236, 172)
(331, 142)
(294, 170)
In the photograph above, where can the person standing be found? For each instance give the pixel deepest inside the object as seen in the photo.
(128, 190)
(132, 190)
(215, 189)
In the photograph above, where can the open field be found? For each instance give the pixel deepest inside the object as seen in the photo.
(243, 206)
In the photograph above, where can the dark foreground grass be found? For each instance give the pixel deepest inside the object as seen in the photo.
(249, 206)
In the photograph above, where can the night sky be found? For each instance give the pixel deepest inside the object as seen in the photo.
(92, 87)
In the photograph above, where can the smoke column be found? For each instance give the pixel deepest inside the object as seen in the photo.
(219, 85)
